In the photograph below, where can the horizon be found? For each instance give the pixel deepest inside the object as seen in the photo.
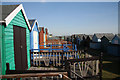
(67, 18)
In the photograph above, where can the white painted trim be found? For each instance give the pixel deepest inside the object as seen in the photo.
(2, 21)
(14, 13)
(34, 25)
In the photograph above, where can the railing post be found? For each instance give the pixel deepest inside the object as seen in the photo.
(30, 59)
(67, 68)
(7, 66)
(62, 59)
(101, 66)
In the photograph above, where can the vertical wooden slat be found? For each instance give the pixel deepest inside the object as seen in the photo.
(97, 66)
(56, 59)
(70, 55)
(36, 59)
(93, 67)
(67, 55)
(33, 60)
(80, 67)
(47, 55)
(100, 66)
(53, 60)
(74, 70)
(39, 58)
(62, 59)
(59, 58)
(75, 54)
(50, 56)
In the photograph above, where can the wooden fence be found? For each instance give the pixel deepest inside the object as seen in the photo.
(86, 67)
(34, 74)
(55, 58)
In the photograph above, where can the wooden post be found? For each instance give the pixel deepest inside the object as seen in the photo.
(69, 69)
(39, 58)
(74, 69)
(7, 66)
(53, 60)
(33, 60)
(30, 59)
(59, 58)
(62, 59)
(67, 55)
(97, 66)
(56, 59)
(36, 59)
(101, 65)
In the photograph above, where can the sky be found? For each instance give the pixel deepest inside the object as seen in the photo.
(66, 18)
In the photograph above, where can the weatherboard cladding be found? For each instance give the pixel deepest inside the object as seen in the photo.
(18, 20)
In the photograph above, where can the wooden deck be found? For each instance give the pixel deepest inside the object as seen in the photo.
(43, 68)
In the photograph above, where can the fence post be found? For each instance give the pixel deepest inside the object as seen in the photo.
(30, 59)
(62, 59)
(67, 67)
(7, 66)
(101, 54)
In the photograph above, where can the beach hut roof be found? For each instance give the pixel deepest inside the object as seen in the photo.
(32, 23)
(10, 11)
(40, 29)
(109, 36)
(90, 36)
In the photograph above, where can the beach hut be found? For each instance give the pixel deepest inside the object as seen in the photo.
(116, 39)
(34, 35)
(105, 41)
(46, 36)
(41, 37)
(114, 47)
(14, 38)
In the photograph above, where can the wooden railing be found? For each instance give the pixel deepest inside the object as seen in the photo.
(36, 76)
(83, 68)
(53, 58)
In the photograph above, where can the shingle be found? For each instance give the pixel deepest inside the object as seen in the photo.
(109, 36)
(90, 36)
(81, 36)
(31, 21)
(40, 28)
(118, 35)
